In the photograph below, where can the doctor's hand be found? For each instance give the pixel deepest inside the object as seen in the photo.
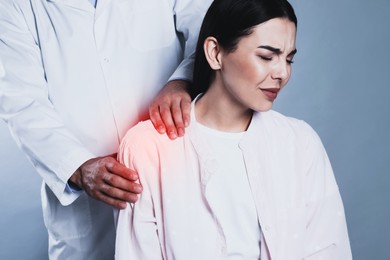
(170, 110)
(107, 180)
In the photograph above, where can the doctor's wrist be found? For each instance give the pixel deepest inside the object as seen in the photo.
(75, 180)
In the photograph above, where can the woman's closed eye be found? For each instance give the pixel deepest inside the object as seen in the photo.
(267, 58)
(290, 61)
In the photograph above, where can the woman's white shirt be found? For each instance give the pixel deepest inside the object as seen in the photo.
(230, 194)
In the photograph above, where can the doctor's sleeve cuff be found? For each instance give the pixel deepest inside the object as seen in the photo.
(184, 71)
(70, 187)
(66, 194)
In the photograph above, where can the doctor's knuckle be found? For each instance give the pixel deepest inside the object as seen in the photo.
(186, 104)
(179, 122)
(154, 112)
(109, 190)
(176, 110)
(164, 109)
(109, 178)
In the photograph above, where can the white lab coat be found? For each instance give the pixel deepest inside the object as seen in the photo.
(73, 80)
(295, 193)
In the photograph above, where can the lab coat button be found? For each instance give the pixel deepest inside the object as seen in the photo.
(106, 60)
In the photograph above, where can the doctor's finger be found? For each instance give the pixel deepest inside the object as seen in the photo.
(113, 201)
(166, 116)
(177, 116)
(117, 182)
(186, 111)
(118, 194)
(119, 169)
(154, 114)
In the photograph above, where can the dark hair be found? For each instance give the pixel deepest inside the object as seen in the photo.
(228, 21)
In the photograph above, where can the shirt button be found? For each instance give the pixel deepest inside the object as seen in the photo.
(267, 228)
(106, 60)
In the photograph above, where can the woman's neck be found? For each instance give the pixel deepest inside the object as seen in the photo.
(217, 110)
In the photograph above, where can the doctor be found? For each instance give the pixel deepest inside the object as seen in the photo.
(74, 77)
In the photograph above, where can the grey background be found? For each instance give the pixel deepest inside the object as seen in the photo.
(340, 85)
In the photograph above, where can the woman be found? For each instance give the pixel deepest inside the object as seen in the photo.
(245, 182)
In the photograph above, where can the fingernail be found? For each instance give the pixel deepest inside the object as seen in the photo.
(180, 131)
(161, 129)
(172, 135)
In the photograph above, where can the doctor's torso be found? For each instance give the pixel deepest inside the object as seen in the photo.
(102, 66)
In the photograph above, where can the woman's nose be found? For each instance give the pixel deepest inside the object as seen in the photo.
(281, 70)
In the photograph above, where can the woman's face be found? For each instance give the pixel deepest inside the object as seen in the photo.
(260, 67)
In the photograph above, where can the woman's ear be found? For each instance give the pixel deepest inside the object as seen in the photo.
(212, 52)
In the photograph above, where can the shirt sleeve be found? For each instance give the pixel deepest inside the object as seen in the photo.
(137, 230)
(26, 107)
(326, 234)
(188, 19)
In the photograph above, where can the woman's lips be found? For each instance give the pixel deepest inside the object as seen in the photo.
(271, 93)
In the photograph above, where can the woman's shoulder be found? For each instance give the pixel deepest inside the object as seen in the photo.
(141, 132)
(286, 127)
(143, 142)
(285, 122)
(140, 142)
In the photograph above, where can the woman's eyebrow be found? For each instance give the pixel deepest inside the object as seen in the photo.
(276, 50)
(270, 48)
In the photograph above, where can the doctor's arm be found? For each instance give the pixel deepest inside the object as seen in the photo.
(37, 128)
(170, 110)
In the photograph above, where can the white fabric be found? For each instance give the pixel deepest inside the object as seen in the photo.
(230, 194)
(73, 79)
(93, 2)
(292, 184)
